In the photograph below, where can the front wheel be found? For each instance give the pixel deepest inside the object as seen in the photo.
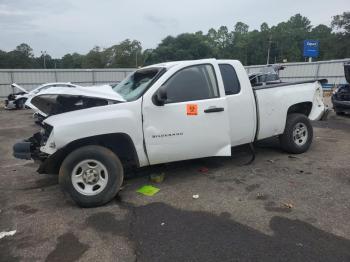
(92, 175)
(298, 134)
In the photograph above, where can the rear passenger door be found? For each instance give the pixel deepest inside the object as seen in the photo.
(240, 102)
(193, 123)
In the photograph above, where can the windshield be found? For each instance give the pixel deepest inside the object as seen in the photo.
(132, 87)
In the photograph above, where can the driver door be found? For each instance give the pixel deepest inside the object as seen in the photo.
(193, 122)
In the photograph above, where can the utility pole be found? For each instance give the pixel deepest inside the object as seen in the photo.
(136, 58)
(268, 50)
(43, 53)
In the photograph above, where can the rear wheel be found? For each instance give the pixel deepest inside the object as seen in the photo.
(298, 134)
(92, 175)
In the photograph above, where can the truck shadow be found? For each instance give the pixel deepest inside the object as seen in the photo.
(163, 233)
(241, 155)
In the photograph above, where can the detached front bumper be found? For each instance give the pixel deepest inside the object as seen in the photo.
(22, 150)
(30, 149)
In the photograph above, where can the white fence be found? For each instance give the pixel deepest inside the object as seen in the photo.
(31, 78)
(333, 70)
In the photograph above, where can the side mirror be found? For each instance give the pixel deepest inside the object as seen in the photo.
(160, 96)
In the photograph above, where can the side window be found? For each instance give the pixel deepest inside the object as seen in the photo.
(230, 79)
(192, 83)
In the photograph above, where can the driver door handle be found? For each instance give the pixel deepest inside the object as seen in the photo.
(213, 109)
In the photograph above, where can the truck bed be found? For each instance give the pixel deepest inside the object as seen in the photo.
(274, 101)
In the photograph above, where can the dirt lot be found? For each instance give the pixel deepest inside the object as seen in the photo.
(280, 208)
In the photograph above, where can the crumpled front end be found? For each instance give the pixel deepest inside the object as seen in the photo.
(30, 148)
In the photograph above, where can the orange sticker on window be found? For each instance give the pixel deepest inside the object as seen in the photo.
(192, 109)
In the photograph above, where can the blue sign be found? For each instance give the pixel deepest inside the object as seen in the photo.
(311, 48)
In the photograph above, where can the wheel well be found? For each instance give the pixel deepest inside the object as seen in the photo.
(302, 108)
(120, 143)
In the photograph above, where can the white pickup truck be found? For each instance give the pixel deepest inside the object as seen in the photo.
(163, 113)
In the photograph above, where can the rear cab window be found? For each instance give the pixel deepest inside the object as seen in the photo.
(229, 77)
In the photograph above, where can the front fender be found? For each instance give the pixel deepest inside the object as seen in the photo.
(117, 118)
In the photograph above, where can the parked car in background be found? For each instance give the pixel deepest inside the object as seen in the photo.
(17, 100)
(341, 95)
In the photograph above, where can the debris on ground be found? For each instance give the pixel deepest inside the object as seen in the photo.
(261, 196)
(148, 190)
(203, 170)
(157, 178)
(271, 160)
(288, 205)
(195, 196)
(293, 157)
(7, 234)
(162, 224)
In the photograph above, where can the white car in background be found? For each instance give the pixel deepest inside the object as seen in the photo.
(20, 99)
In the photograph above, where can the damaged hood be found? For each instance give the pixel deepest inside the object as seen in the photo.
(57, 100)
(103, 91)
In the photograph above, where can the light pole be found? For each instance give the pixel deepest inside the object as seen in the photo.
(268, 51)
(136, 58)
(43, 53)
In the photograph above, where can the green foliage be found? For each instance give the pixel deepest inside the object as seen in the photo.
(342, 22)
(183, 47)
(250, 47)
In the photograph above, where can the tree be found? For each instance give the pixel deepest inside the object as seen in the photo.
(342, 22)
(128, 53)
(25, 50)
(93, 59)
(250, 47)
(241, 28)
(183, 47)
(342, 37)
(74, 60)
(21, 57)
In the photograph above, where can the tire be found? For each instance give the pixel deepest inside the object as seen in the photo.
(340, 113)
(298, 134)
(92, 175)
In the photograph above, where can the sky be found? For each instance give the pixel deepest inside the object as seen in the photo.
(66, 26)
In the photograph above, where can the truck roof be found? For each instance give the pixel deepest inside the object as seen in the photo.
(168, 65)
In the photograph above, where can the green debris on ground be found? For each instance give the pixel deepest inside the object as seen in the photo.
(148, 190)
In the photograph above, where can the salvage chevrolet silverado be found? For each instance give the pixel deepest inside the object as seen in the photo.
(163, 113)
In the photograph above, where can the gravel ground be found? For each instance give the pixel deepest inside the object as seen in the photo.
(279, 208)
